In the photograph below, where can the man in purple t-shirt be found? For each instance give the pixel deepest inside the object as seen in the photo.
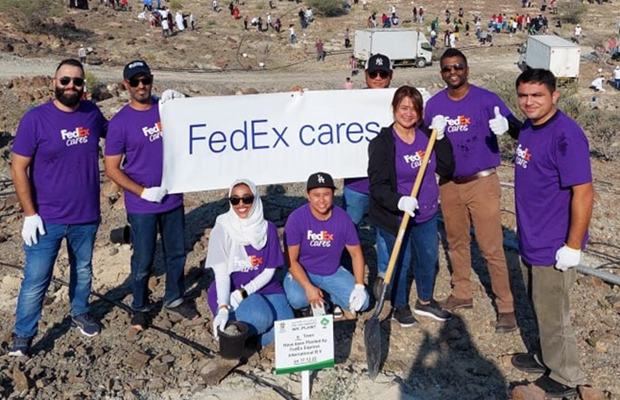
(475, 117)
(136, 135)
(315, 235)
(55, 171)
(554, 199)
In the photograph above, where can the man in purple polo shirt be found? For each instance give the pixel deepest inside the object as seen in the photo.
(54, 165)
(475, 117)
(554, 199)
(136, 135)
(315, 236)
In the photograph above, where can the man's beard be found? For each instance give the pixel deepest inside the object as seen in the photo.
(70, 100)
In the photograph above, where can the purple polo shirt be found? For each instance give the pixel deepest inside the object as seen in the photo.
(408, 159)
(64, 171)
(474, 144)
(549, 159)
(139, 136)
(321, 242)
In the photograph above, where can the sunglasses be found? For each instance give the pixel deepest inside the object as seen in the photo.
(247, 199)
(147, 80)
(65, 80)
(382, 74)
(456, 67)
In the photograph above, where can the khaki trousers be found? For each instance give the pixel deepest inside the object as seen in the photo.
(476, 202)
(549, 291)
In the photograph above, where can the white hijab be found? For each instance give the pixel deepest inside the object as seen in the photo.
(246, 231)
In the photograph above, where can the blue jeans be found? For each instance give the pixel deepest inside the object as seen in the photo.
(356, 204)
(260, 312)
(40, 259)
(338, 286)
(144, 228)
(420, 247)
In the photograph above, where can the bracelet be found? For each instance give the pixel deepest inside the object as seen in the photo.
(243, 292)
(142, 192)
(223, 306)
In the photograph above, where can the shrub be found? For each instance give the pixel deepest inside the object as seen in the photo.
(29, 16)
(602, 126)
(92, 82)
(175, 5)
(327, 8)
(571, 11)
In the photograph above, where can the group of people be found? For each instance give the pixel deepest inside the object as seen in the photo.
(553, 196)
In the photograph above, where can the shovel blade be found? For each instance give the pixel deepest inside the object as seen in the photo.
(372, 342)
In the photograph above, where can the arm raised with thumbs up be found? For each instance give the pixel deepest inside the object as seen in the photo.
(498, 124)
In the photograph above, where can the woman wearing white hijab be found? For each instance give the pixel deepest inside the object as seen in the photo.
(244, 252)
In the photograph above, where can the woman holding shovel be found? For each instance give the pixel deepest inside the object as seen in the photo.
(395, 158)
(244, 252)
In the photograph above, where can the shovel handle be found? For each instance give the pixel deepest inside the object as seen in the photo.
(405, 221)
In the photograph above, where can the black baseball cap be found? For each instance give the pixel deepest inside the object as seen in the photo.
(378, 62)
(134, 68)
(320, 180)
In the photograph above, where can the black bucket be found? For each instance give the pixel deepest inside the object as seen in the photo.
(233, 345)
(121, 235)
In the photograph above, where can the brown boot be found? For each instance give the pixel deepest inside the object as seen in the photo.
(453, 303)
(506, 322)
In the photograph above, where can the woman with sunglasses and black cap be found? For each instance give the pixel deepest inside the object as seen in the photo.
(244, 252)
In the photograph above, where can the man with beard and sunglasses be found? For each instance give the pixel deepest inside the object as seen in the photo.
(55, 171)
(135, 140)
(475, 117)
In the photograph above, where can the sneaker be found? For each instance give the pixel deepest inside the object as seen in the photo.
(555, 389)
(338, 313)
(20, 346)
(86, 325)
(527, 362)
(183, 310)
(454, 303)
(140, 320)
(403, 316)
(432, 309)
(506, 322)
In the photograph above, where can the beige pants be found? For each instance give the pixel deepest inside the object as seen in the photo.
(549, 291)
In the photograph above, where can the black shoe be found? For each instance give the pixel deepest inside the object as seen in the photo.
(528, 363)
(555, 389)
(183, 310)
(403, 316)
(432, 309)
(20, 346)
(140, 320)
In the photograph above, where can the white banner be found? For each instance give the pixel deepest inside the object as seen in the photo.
(270, 138)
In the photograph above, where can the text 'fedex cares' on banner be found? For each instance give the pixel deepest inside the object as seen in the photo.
(269, 138)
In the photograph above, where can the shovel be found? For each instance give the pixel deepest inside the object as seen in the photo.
(372, 330)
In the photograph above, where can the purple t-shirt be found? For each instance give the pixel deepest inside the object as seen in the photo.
(321, 242)
(549, 159)
(408, 159)
(269, 256)
(138, 135)
(360, 185)
(64, 171)
(474, 144)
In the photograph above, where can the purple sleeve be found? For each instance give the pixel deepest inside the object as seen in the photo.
(115, 140)
(572, 155)
(292, 231)
(25, 143)
(351, 238)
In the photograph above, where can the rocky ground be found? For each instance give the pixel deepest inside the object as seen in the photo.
(463, 358)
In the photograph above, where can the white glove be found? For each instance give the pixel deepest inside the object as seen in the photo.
(408, 204)
(499, 124)
(566, 258)
(32, 225)
(358, 298)
(439, 124)
(169, 95)
(235, 299)
(220, 321)
(154, 194)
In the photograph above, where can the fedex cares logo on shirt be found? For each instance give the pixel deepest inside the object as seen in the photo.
(415, 160)
(458, 124)
(154, 132)
(247, 264)
(522, 156)
(321, 239)
(78, 136)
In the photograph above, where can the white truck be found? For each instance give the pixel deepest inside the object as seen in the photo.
(402, 46)
(553, 53)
